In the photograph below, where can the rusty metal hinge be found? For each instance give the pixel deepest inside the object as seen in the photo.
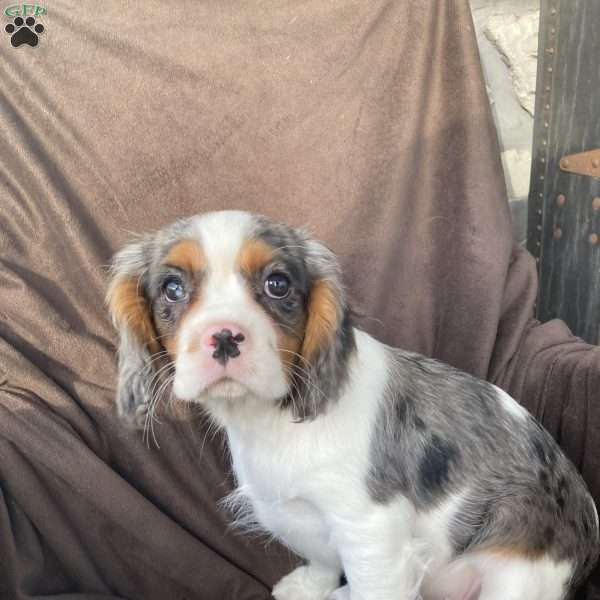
(584, 163)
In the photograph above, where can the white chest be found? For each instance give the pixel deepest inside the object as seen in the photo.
(299, 478)
(288, 497)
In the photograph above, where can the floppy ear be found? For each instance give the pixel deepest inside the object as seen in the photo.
(131, 315)
(328, 333)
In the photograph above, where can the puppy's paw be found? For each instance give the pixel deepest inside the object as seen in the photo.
(309, 582)
(342, 593)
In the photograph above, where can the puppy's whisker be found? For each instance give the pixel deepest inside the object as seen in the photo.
(309, 378)
(306, 370)
(155, 398)
(160, 337)
(297, 355)
(294, 389)
(160, 391)
(155, 381)
(307, 381)
(153, 407)
(294, 333)
(157, 356)
(212, 428)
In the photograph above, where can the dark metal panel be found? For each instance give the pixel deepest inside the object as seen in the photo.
(563, 220)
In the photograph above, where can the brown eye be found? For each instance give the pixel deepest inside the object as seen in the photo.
(173, 290)
(277, 285)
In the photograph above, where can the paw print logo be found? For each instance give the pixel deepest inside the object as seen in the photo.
(24, 32)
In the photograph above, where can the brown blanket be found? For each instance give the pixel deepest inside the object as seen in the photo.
(367, 122)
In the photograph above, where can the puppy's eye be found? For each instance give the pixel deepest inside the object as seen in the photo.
(173, 290)
(277, 285)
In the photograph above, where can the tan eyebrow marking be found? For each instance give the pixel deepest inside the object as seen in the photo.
(254, 256)
(187, 255)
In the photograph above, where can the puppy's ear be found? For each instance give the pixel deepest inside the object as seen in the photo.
(328, 333)
(131, 315)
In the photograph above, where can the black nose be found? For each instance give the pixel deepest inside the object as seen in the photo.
(226, 345)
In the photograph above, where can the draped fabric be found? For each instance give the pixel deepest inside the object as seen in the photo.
(365, 122)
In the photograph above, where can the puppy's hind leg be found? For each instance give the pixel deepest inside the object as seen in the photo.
(456, 581)
(501, 575)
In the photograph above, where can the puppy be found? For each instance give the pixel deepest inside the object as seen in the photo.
(412, 478)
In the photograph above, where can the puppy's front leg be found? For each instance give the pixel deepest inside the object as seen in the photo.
(301, 527)
(381, 558)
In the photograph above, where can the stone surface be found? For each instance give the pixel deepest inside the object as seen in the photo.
(516, 39)
(517, 171)
(507, 33)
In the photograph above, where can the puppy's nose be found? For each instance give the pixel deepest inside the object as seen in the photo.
(225, 341)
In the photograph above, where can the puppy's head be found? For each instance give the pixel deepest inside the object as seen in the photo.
(230, 306)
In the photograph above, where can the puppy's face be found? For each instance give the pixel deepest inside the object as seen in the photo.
(242, 307)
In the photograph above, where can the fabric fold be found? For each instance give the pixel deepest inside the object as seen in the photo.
(366, 123)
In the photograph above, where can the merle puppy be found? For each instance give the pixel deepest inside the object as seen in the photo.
(414, 479)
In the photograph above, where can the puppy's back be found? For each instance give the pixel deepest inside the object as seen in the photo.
(441, 433)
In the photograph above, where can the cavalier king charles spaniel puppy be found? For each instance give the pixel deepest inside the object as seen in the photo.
(413, 479)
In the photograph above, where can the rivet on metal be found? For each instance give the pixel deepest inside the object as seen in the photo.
(553, 11)
(549, 69)
(547, 107)
(543, 159)
(539, 227)
(548, 88)
(561, 200)
(542, 178)
(546, 124)
(539, 211)
(594, 238)
(596, 203)
(550, 50)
